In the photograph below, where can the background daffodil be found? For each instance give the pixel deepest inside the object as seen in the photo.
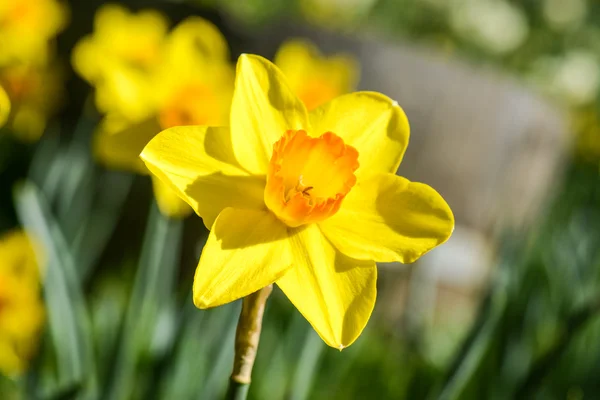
(26, 26)
(309, 201)
(35, 93)
(314, 78)
(21, 308)
(151, 81)
(119, 58)
(29, 73)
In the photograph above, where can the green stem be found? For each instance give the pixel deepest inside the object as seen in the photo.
(237, 391)
(247, 337)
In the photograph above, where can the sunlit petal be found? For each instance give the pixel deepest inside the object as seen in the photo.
(246, 251)
(199, 164)
(263, 109)
(388, 218)
(371, 123)
(335, 293)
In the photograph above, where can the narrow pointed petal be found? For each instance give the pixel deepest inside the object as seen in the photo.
(263, 109)
(198, 163)
(335, 293)
(388, 218)
(372, 123)
(246, 251)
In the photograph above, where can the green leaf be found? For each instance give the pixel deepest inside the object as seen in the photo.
(68, 318)
(151, 298)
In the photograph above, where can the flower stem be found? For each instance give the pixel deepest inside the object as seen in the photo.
(247, 336)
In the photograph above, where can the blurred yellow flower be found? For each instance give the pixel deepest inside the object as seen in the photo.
(27, 26)
(21, 308)
(119, 58)
(337, 13)
(314, 78)
(586, 125)
(35, 93)
(4, 106)
(189, 83)
(309, 201)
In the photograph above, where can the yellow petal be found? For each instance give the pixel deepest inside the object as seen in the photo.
(169, 202)
(315, 78)
(196, 36)
(199, 164)
(335, 293)
(246, 251)
(126, 90)
(370, 122)
(263, 109)
(84, 59)
(4, 106)
(119, 142)
(119, 57)
(388, 218)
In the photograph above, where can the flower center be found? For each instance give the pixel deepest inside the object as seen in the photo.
(191, 105)
(309, 177)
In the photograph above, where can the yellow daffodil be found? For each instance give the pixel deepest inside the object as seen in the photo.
(4, 106)
(35, 93)
(21, 308)
(314, 78)
(191, 84)
(119, 58)
(26, 26)
(309, 201)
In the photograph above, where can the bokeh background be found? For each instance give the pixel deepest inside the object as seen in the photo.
(502, 97)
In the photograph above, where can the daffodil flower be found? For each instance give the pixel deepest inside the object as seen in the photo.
(35, 93)
(190, 84)
(21, 308)
(120, 57)
(27, 26)
(4, 106)
(309, 201)
(314, 78)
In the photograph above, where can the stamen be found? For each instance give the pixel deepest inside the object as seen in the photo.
(305, 191)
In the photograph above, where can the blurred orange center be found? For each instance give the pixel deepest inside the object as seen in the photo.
(191, 105)
(316, 92)
(19, 84)
(309, 177)
(21, 13)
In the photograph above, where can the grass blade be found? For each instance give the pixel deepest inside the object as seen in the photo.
(68, 319)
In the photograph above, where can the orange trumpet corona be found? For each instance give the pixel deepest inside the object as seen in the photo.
(308, 177)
